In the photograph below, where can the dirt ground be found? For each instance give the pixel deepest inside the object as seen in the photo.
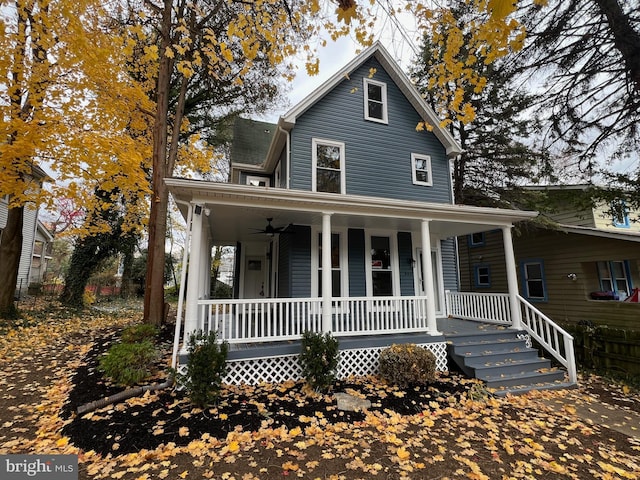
(450, 429)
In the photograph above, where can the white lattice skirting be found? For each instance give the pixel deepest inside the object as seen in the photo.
(276, 369)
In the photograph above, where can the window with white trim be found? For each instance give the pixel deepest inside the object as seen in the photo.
(328, 166)
(336, 265)
(375, 101)
(421, 169)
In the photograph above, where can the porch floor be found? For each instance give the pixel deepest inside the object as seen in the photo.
(451, 326)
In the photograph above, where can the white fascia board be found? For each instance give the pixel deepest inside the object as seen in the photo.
(319, 202)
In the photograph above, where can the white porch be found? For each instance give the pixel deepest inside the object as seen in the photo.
(266, 329)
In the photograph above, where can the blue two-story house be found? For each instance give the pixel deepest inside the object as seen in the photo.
(343, 221)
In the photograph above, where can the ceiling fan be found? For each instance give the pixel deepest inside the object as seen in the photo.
(271, 230)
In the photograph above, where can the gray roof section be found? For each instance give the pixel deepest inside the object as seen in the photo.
(251, 141)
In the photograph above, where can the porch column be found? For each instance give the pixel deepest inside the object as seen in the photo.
(205, 264)
(326, 273)
(512, 278)
(193, 279)
(427, 277)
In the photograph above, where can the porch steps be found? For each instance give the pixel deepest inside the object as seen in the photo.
(503, 361)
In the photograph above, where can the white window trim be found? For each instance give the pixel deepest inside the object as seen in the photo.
(385, 115)
(258, 178)
(395, 268)
(414, 157)
(316, 261)
(314, 153)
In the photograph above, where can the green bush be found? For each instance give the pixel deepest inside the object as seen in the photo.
(319, 359)
(407, 364)
(128, 363)
(206, 367)
(139, 333)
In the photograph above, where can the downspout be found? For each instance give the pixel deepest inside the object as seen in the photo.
(138, 391)
(288, 154)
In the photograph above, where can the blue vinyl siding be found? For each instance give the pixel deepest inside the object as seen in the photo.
(300, 261)
(406, 267)
(378, 156)
(449, 264)
(357, 274)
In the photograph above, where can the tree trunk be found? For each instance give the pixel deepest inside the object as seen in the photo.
(10, 251)
(154, 289)
(626, 38)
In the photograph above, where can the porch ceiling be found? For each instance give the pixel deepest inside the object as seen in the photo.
(236, 212)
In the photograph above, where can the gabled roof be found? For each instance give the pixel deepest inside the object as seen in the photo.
(377, 51)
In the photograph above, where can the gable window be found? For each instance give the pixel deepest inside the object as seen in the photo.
(620, 214)
(534, 284)
(375, 101)
(614, 277)
(482, 275)
(421, 169)
(257, 181)
(328, 166)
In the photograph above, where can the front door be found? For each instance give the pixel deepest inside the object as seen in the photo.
(254, 277)
(437, 286)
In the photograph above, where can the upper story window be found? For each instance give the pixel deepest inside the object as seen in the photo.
(257, 181)
(421, 169)
(375, 101)
(328, 166)
(620, 214)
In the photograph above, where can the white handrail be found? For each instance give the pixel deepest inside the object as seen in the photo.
(553, 338)
(494, 308)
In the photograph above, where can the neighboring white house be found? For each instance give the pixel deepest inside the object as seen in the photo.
(32, 231)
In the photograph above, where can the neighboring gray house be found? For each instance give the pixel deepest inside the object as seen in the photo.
(32, 230)
(330, 211)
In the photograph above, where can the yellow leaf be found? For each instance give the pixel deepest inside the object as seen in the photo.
(62, 442)
(402, 453)
(183, 431)
(234, 447)
(184, 474)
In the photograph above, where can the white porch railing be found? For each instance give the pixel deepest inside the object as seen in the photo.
(481, 307)
(552, 337)
(277, 319)
(494, 308)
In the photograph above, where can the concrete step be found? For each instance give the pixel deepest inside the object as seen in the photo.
(487, 347)
(493, 370)
(474, 359)
(522, 389)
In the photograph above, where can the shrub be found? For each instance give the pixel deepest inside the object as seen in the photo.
(319, 359)
(407, 364)
(128, 363)
(206, 368)
(139, 333)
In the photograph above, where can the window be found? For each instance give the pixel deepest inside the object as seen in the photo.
(421, 169)
(533, 280)
(614, 277)
(328, 171)
(620, 214)
(375, 101)
(336, 265)
(257, 181)
(482, 276)
(381, 271)
(476, 239)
